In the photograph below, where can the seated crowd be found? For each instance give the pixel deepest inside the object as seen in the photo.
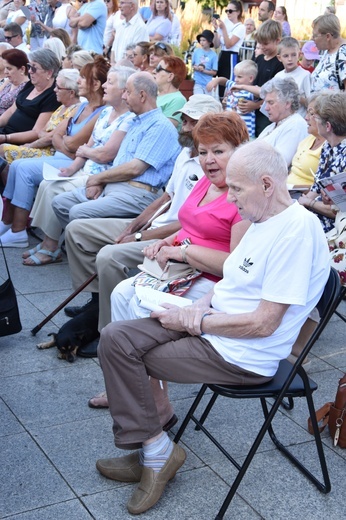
(101, 151)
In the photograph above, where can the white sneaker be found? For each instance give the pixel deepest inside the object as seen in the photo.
(19, 239)
(4, 228)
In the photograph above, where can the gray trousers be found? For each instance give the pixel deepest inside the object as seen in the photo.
(118, 200)
(90, 247)
(131, 350)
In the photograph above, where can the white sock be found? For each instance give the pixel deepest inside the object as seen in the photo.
(157, 453)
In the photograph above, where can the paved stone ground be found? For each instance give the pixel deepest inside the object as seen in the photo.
(50, 438)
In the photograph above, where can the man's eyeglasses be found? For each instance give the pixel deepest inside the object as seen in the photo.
(159, 68)
(230, 11)
(161, 46)
(9, 38)
(32, 68)
(62, 88)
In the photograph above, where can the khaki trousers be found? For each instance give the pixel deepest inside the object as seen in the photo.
(90, 247)
(131, 350)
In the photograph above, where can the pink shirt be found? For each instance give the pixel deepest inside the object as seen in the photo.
(208, 225)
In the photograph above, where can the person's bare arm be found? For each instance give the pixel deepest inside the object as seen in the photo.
(30, 135)
(85, 21)
(68, 145)
(142, 219)
(4, 118)
(260, 323)
(102, 154)
(122, 173)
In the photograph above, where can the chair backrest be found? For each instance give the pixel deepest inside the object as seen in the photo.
(326, 306)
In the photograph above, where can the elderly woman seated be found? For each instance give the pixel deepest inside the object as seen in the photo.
(66, 89)
(26, 174)
(306, 159)
(288, 128)
(330, 116)
(29, 114)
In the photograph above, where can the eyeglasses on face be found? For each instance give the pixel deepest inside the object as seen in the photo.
(230, 11)
(9, 38)
(32, 68)
(62, 88)
(161, 46)
(159, 68)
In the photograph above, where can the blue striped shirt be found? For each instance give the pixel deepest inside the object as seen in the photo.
(152, 138)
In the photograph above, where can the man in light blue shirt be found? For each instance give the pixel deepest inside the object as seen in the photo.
(91, 22)
(142, 167)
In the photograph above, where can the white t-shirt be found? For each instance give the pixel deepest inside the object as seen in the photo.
(286, 135)
(179, 189)
(303, 79)
(285, 260)
(237, 29)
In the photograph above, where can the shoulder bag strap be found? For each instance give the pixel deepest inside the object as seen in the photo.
(322, 416)
(3, 252)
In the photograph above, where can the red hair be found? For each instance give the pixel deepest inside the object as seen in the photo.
(226, 127)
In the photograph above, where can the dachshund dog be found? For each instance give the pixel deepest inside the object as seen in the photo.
(75, 333)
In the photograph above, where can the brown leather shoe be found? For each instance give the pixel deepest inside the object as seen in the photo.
(152, 484)
(123, 469)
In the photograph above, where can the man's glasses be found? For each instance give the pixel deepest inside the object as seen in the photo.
(9, 38)
(62, 88)
(161, 46)
(159, 68)
(230, 11)
(32, 68)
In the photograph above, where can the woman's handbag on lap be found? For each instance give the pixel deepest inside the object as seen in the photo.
(9, 313)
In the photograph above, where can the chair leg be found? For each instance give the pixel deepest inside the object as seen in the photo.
(206, 411)
(190, 413)
(323, 487)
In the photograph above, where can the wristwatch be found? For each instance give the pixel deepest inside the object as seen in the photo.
(138, 236)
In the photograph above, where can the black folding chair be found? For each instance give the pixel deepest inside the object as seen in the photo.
(290, 381)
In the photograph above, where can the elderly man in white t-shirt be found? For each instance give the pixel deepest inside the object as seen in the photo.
(236, 334)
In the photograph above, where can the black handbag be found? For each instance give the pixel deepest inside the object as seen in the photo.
(9, 313)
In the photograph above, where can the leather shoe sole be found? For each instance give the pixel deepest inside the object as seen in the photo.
(123, 469)
(152, 484)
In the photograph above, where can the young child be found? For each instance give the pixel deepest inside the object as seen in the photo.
(244, 74)
(268, 36)
(288, 54)
(309, 55)
(204, 62)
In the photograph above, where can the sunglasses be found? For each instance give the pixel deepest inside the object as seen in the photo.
(230, 11)
(32, 68)
(159, 68)
(9, 38)
(161, 46)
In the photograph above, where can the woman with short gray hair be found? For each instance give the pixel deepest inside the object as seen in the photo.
(29, 114)
(288, 128)
(66, 89)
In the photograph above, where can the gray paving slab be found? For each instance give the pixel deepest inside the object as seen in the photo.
(51, 438)
(71, 510)
(28, 479)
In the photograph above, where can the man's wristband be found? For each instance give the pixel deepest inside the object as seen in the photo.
(204, 315)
